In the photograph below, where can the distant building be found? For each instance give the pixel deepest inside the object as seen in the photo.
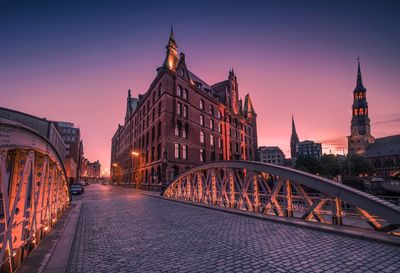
(309, 148)
(91, 170)
(71, 137)
(303, 148)
(272, 154)
(383, 153)
(180, 122)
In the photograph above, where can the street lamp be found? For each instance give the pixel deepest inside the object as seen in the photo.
(134, 153)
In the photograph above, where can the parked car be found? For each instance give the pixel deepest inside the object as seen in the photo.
(81, 183)
(77, 189)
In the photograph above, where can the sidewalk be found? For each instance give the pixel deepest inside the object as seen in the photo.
(52, 253)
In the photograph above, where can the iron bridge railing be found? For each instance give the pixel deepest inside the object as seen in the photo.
(33, 191)
(283, 192)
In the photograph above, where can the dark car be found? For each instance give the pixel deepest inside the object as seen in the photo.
(77, 189)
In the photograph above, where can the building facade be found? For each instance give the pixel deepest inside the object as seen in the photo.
(272, 154)
(72, 138)
(91, 170)
(309, 148)
(180, 122)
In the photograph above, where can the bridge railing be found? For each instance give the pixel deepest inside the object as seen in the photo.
(283, 192)
(33, 191)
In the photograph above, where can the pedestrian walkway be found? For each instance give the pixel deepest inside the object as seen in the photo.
(123, 230)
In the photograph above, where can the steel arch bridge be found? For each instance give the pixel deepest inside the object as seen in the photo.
(283, 192)
(33, 193)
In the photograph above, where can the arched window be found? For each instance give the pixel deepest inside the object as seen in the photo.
(360, 96)
(179, 91)
(211, 110)
(361, 111)
(185, 94)
(202, 137)
(366, 111)
(355, 96)
(355, 112)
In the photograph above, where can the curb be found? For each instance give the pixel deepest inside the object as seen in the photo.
(339, 230)
(58, 261)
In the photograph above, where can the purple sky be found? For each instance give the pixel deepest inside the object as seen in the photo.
(76, 61)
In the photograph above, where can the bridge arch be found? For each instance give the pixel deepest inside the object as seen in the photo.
(285, 192)
(33, 191)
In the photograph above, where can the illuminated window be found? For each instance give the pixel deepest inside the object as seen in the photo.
(366, 111)
(211, 110)
(184, 133)
(219, 115)
(355, 96)
(355, 112)
(361, 111)
(211, 124)
(201, 155)
(360, 96)
(211, 140)
(220, 143)
(185, 94)
(201, 105)
(185, 111)
(202, 137)
(201, 120)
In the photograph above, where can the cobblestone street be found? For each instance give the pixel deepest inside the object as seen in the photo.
(121, 230)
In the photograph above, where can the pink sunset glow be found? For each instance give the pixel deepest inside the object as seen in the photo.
(310, 75)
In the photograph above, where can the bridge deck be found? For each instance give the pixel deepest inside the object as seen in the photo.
(121, 230)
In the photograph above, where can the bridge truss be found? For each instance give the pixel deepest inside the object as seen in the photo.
(33, 191)
(283, 192)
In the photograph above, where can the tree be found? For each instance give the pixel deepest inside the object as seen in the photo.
(330, 165)
(358, 165)
(308, 164)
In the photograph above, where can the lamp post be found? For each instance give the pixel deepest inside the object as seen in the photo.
(137, 155)
(349, 155)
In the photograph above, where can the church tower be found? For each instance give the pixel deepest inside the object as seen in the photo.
(360, 136)
(294, 141)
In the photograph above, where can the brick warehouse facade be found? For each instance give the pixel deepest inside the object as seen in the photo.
(181, 122)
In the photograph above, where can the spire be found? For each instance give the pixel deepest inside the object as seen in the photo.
(293, 127)
(171, 41)
(248, 105)
(359, 85)
(171, 58)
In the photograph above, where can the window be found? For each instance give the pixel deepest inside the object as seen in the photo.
(202, 137)
(202, 155)
(154, 113)
(201, 104)
(179, 109)
(211, 110)
(355, 112)
(176, 150)
(220, 127)
(201, 120)
(220, 143)
(211, 124)
(176, 130)
(184, 151)
(159, 129)
(185, 111)
(219, 115)
(159, 151)
(211, 140)
(184, 133)
(159, 109)
(179, 91)
(361, 111)
(185, 94)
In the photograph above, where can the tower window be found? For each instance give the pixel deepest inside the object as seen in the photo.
(355, 112)
(361, 111)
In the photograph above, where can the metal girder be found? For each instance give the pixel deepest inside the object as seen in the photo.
(33, 191)
(284, 192)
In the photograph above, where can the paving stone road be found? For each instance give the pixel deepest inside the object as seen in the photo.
(122, 230)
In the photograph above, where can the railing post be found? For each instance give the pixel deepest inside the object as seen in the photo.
(337, 213)
(289, 200)
(256, 193)
(232, 189)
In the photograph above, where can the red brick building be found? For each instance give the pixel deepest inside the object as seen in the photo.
(181, 122)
